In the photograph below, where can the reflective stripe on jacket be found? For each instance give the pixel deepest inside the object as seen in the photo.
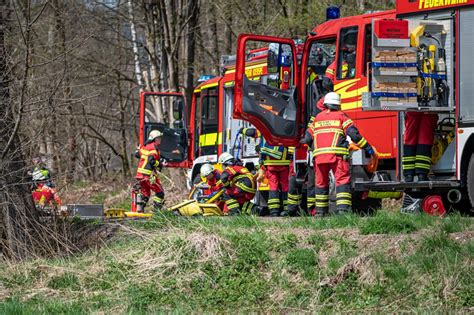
(149, 160)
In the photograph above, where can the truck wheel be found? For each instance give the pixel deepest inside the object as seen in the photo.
(470, 181)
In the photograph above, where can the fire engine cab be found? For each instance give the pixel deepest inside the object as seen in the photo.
(386, 66)
(206, 128)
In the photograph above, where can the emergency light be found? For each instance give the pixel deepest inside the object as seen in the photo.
(205, 77)
(332, 13)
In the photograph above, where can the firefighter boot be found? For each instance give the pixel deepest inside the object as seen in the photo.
(158, 201)
(249, 208)
(232, 206)
(322, 201)
(274, 203)
(408, 162)
(294, 197)
(343, 199)
(293, 204)
(422, 177)
(284, 198)
(409, 178)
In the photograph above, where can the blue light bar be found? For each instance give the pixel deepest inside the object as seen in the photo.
(205, 77)
(332, 13)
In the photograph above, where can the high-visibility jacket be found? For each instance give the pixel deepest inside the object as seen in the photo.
(149, 160)
(270, 154)
(40, 173)
(331, 70)
(234, 175)
(329, 131)
(215, 182)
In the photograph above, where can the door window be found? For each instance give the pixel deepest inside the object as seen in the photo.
(346, 64)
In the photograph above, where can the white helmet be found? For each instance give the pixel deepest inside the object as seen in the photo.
(155, 134)
(225, 158)
(332, 100)
(206, 169)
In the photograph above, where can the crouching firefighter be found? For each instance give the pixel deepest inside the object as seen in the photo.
(330, 130)
(149, 155)
(276, 161)
(240, 186)
(215, 190)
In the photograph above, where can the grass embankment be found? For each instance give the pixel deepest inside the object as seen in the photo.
(389, 262)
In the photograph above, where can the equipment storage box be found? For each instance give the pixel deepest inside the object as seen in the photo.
(391, 33)
(86, 211)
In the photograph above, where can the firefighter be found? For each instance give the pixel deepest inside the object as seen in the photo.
(240, 186)
(212, 178)
(293, 196)
(149, 155)
(276, 161)
(417, 143)
(40, 174)
(43, 189)
(329, 131)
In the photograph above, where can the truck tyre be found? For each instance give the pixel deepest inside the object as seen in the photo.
(470, 181)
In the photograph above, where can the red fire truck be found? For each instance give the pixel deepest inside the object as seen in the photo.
(206, 128)
(357, 45)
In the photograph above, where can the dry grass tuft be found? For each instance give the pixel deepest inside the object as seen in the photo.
(209, 247)
(362, 265)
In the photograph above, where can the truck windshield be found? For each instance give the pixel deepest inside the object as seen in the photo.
(209, 121)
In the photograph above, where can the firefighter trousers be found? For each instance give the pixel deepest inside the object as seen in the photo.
(340, 169)
(238, 198)
(239, 204)
(417, 143)
(278, 180)
(146, 188)
(311, 191)
(294, 193)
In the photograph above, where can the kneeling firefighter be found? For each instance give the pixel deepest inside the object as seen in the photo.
(240, 186)
(149, 155)
(212, 178)
(330, 130)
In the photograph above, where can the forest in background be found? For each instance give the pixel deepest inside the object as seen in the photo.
(71, 73)
(76, 67)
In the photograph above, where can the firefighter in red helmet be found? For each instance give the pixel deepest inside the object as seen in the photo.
(149, 155)
(330, 130)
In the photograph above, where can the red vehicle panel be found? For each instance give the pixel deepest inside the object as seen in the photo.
(174, 137)
(380, 129)
(239, 111)
(415, 6)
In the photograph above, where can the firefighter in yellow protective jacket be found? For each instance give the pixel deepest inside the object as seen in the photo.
(276, 161)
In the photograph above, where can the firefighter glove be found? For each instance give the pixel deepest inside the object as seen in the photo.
(370, 150)
(152, 179)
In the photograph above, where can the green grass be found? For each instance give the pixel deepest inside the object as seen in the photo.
(385, 263)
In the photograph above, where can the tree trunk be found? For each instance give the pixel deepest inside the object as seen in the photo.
(213, 36)
(138, 72)
(16, 205)
(192, 14)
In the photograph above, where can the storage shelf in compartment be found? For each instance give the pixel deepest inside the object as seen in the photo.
(387, 64)
(409, 107)
(392, 42)
(389, 94)
(395, 73)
